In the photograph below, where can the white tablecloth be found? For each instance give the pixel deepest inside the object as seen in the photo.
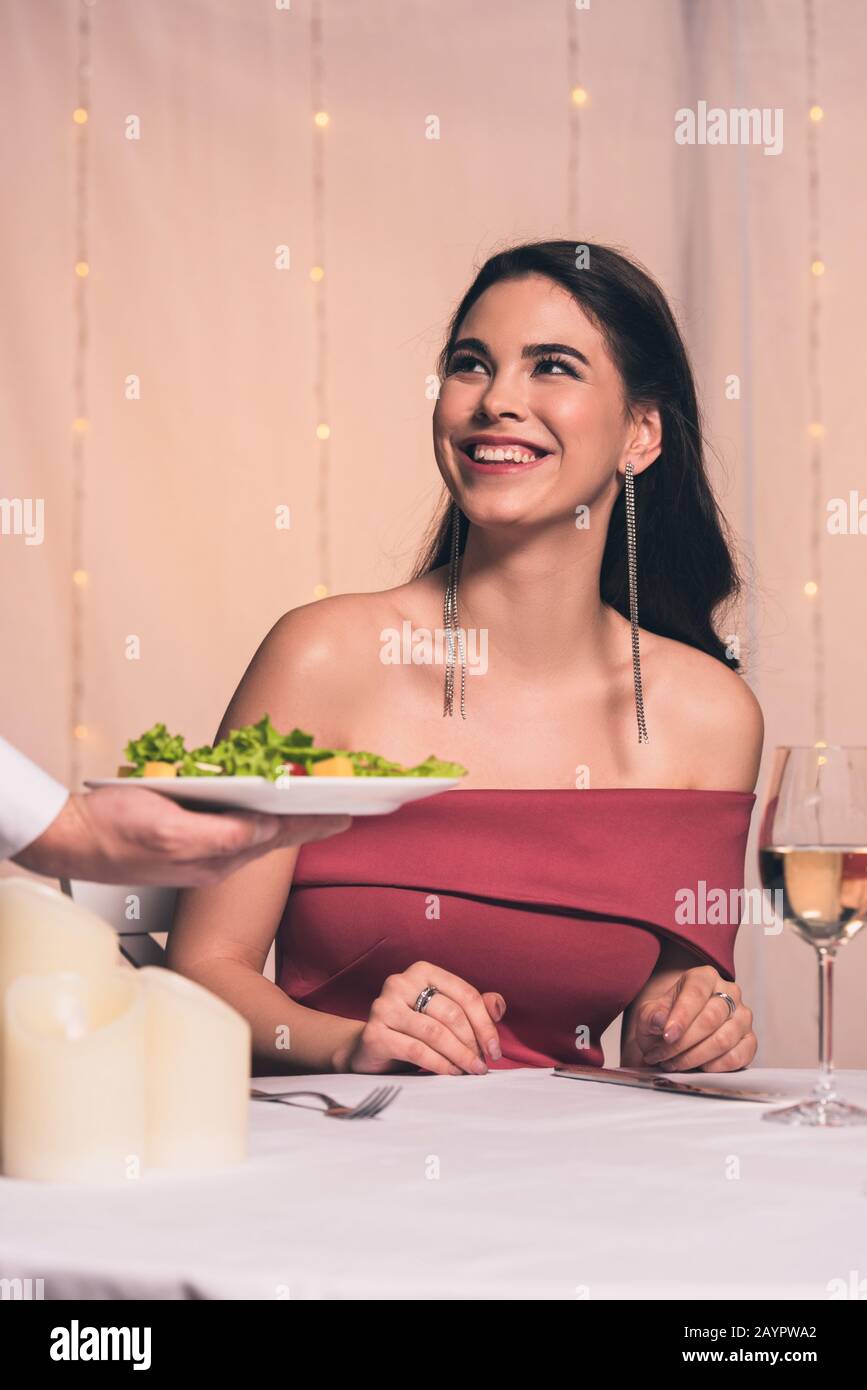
(546, 1188)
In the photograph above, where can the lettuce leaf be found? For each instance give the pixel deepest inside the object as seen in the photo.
(436, 767)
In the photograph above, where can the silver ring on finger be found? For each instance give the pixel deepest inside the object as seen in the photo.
(719, 994)
(424, 998)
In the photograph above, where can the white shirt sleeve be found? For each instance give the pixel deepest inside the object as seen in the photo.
(29, 800)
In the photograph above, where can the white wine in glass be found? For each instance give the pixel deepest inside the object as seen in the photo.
(813, 858)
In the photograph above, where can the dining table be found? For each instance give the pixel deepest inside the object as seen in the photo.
(519, 1184)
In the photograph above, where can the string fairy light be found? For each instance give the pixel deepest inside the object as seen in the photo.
(81, 421)
(321, 122)
(579, 97)
(815, 429)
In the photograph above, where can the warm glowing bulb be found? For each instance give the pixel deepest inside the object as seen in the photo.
(322, 431)
(820, 743)
(79, 115)
(818, 267)
(80, 578)
(80, 425)
(811, 588)
(80, 731)
(816, 430)
(821, 761)
(82, 268)
(320, 591)
(816, 113)
(321, 118)
(317, 273)
(580, 96)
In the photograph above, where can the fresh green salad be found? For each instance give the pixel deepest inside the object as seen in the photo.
(260, 751)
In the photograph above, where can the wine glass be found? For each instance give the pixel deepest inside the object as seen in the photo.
(813, 858)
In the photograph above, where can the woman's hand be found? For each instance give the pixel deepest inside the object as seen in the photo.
(684, 1028)
(450, 1038)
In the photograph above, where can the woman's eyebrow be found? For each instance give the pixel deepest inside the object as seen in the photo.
(531, 349)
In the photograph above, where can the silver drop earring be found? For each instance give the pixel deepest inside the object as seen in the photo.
(451, 623)
(633, 600)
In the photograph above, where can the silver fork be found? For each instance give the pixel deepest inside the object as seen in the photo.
(372, 1104)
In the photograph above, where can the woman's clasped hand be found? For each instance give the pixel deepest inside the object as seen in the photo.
(690, 1026)
(452, 1035)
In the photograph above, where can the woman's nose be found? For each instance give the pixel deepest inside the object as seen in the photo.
(503, 399)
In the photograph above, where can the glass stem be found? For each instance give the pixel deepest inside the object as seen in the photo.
(824, 1088)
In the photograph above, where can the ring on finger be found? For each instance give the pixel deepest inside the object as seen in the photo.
(446, 1012)
(424, 998)
(720, 994)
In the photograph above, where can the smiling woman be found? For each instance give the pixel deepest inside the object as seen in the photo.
(508, 922)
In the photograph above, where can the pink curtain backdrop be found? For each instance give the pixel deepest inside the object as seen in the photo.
(239, 361)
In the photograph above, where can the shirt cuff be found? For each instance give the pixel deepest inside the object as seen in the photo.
(29, 800)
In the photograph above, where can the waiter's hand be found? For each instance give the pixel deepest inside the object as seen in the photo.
(121, 835)
(688, 1027)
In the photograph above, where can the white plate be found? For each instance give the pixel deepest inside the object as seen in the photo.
(353, 796)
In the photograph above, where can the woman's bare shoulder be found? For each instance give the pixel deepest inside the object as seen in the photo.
(320, 662)
(321, 633)
(715, 716)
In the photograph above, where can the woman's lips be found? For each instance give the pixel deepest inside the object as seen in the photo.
(504, 467)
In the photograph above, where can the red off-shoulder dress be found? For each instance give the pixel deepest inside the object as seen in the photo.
(557, 899)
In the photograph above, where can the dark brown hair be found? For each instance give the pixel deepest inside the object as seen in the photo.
(686, 565)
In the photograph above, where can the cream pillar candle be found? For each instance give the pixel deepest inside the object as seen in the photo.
(74, 1108)
(198, 1074)
(43, 930)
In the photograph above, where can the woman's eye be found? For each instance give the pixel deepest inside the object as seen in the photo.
(558, 362)
(464, 362)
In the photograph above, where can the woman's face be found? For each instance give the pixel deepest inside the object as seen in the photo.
(529, 365)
